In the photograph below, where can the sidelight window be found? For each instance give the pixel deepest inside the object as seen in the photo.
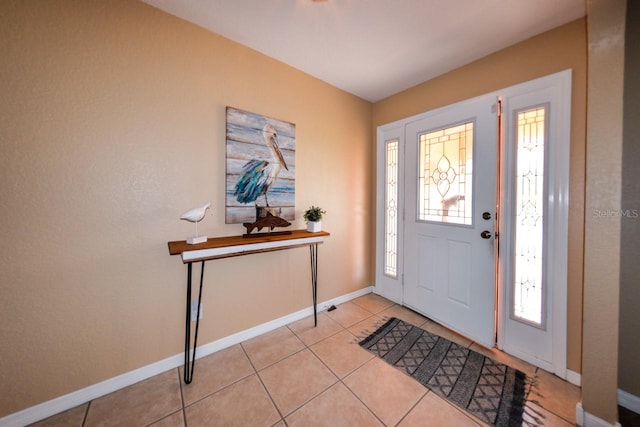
(529, 286)
(391, 208)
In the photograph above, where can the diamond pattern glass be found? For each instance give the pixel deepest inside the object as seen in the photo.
(445, 175)
(391, 209)
(528, 286)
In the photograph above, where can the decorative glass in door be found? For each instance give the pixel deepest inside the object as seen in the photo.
(391, 208)
(445, 175)
(529, 222)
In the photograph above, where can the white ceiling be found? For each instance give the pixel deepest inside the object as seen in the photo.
(375, 48)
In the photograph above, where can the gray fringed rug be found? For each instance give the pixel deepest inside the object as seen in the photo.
(492, 391)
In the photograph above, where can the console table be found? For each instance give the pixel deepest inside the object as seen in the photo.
(225, 247)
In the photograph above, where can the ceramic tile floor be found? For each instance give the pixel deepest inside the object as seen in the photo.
(298, 375)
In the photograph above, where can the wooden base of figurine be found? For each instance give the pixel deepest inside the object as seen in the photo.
(272, 233)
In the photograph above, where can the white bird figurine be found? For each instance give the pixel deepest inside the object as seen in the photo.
(196, 215)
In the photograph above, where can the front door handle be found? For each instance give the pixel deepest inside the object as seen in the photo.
(486, 234)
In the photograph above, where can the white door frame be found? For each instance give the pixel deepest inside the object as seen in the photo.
(554, 90)
(558, 213)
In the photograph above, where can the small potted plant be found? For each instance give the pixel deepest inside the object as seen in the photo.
(313, 216)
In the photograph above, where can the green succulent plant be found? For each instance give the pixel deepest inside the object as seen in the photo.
(314, 214)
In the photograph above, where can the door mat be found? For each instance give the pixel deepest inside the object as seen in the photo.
(492, 391)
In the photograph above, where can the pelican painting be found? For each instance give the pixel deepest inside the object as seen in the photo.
(260, 167)
(258, 176)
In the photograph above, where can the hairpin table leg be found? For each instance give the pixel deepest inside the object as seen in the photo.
(189, 362)
(314, 280)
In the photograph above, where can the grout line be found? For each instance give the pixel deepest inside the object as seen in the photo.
(165, 417)
(281, 360)
(340, 380)
(180, 384)
(218, 390)
(86, 413)
(360, 400)
(314, 396)
(308, 347)
(184, 409)
(413, 407)
(264, 387)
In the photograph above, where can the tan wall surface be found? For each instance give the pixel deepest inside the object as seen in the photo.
(629, 344)
(112, 124)
(553, 51)
(603, 194)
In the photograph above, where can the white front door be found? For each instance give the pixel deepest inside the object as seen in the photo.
(433, 192)
(450, 209)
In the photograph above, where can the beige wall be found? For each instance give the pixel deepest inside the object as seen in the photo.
(602, 234)
(553, 51)
(113, 124)
(629, 344)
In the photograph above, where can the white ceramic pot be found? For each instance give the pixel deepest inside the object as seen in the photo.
(314, 226)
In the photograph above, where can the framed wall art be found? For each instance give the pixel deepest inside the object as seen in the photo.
(260, 167)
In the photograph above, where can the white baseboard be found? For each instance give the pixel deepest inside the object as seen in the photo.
(585, 419)
(629, 401)
(579, 414)
(574, 377)
(76, 398)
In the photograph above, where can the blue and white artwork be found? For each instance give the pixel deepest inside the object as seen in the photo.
(260, 167)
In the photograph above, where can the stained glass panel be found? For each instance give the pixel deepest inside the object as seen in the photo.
(445, 175)
(528, 286)
(391, 208)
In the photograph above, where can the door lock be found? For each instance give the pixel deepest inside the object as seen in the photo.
(486, 215)
(486, 234)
